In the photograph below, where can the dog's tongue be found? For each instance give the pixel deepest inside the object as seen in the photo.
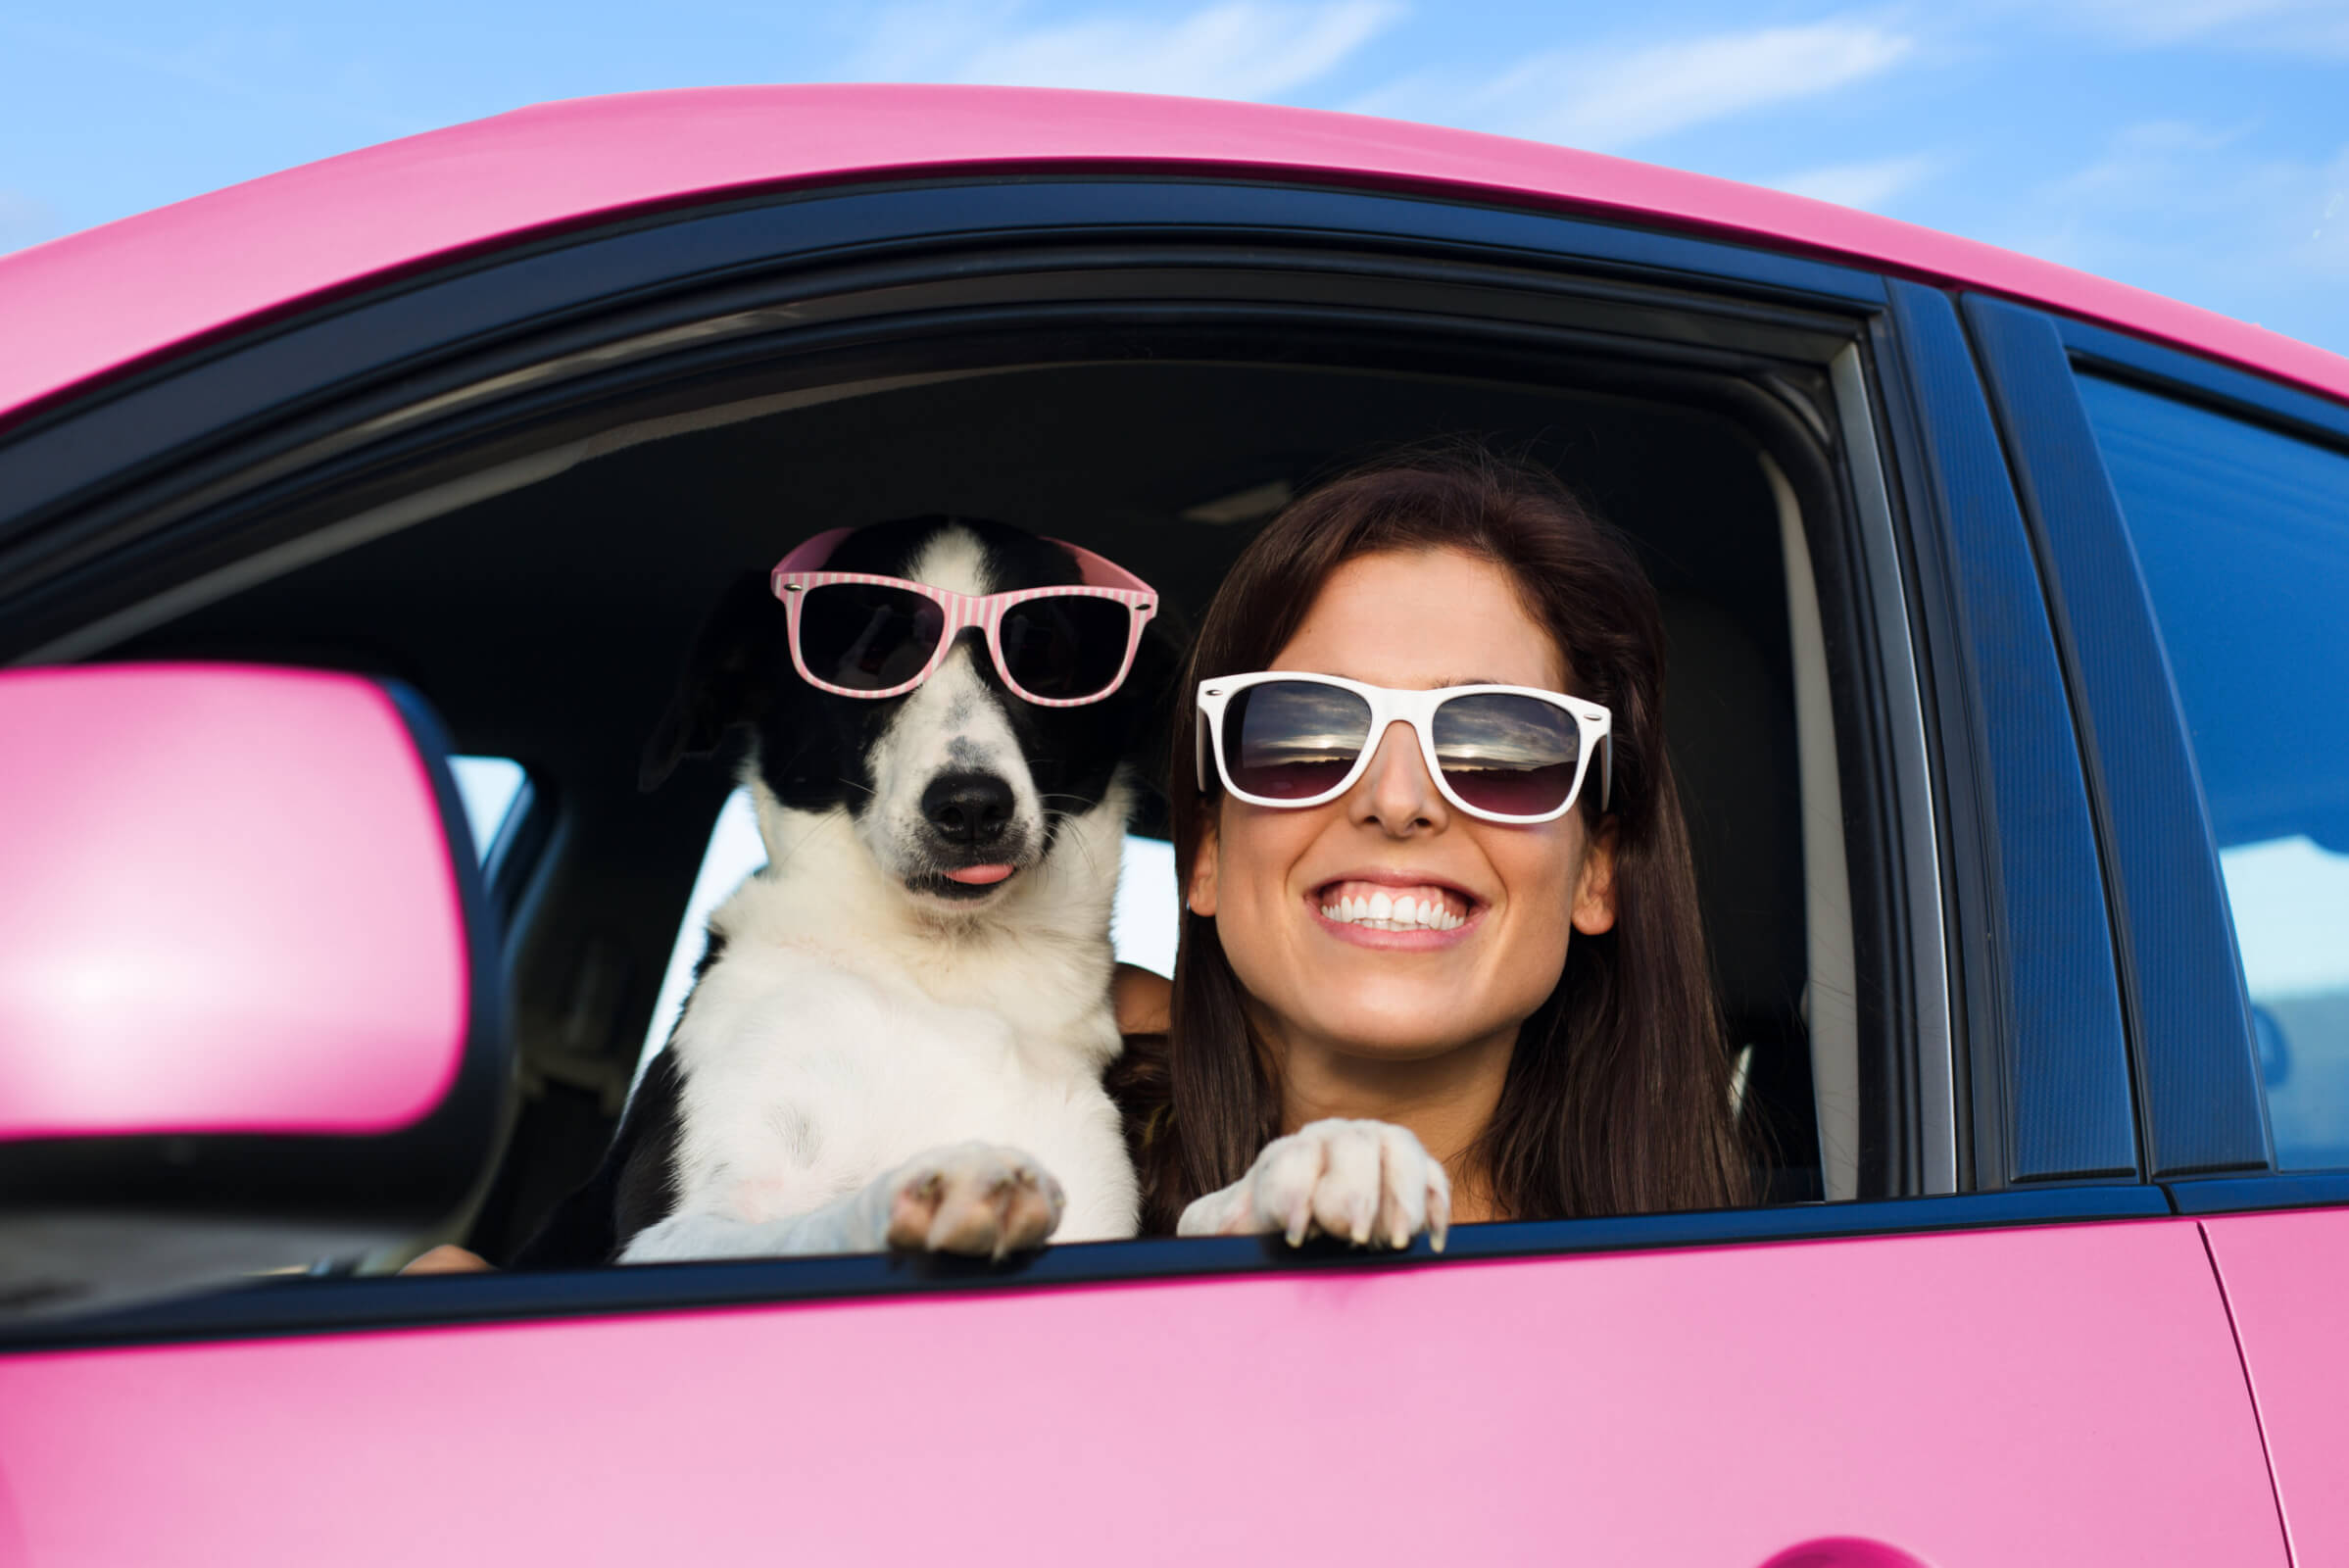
(979, 875)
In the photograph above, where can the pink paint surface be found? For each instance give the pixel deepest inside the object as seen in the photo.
(2058, 1397)
(228, 906)
(92, 303)
(2287, 1280)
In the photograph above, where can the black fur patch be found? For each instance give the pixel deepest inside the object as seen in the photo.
(635, 1185)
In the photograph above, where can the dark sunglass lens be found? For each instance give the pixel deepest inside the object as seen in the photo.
(1062, 648)
(1289, 740)
(867, 637)
(1511, 755)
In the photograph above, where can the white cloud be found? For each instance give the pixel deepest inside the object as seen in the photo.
(1870, 186)
(1612, 99)
(1234, 49)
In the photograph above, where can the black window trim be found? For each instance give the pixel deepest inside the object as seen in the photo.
(307, 1307)
(1901, 786)
(2189, 1017)
(2034, 996)
(2221, 388)
(395, 343)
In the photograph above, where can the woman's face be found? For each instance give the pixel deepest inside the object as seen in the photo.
(1266, 875)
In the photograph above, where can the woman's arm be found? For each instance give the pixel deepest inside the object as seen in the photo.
(1143, 1000)
(449, 1260)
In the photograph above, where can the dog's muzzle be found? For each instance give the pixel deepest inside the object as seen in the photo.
(974, 839)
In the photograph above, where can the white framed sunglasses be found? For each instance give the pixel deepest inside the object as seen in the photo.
(1503, 754)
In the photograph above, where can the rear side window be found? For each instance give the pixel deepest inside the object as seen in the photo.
(2243, 536)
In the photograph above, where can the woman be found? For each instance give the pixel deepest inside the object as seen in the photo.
(1407, 994)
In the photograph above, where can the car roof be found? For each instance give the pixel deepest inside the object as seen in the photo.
(90, 305)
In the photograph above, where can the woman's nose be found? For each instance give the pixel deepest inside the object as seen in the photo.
(1395, 793)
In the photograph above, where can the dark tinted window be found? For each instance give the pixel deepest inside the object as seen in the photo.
(2243, 534)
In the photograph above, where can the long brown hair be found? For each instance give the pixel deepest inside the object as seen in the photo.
(1617, 1096)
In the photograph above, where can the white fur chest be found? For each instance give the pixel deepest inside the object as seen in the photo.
(837, 1037)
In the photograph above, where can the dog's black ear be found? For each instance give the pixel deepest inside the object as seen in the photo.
(1158, 663)
(727, 680)
(1155, 684)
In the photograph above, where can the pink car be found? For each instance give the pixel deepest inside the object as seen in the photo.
(2010, 701)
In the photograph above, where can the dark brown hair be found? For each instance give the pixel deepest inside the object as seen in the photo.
(1616, 1098)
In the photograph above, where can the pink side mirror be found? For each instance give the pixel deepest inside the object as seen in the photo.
(249, 1008)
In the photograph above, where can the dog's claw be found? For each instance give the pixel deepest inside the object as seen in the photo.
(1369, 1182)
(976, 1200)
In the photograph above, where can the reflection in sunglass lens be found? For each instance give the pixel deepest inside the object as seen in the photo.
(868, 637)
(1511, 755)
(1289, 740)
(1065, 647)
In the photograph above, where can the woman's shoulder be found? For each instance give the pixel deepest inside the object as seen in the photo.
(1143, 1000)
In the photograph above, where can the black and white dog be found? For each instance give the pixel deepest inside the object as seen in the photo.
(898, 1032)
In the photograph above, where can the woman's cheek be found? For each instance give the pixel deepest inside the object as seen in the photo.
(1536, 967)
(1541, 876)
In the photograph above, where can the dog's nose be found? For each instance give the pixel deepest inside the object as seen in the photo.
(971, 809)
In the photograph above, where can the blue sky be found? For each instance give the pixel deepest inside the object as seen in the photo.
(2196, 147)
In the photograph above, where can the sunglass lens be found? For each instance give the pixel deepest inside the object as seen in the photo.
(1065, 647)
(1289, 740)
(867, 637)
(1507, 754)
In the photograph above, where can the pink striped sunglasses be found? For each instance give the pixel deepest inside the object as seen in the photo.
(858, 635)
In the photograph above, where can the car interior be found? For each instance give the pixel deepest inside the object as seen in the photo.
(545, 606)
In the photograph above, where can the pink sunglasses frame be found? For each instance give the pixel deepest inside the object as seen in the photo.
(1103, 579)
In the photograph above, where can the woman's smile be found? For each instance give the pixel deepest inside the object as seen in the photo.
(1397, 910)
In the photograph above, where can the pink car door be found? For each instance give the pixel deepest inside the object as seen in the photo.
(2060, 1393)
(2285, 1274)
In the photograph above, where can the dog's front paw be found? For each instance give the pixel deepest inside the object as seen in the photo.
(1368, 1181)
(976, 1198)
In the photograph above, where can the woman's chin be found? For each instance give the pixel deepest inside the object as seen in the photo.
(1399, 1028)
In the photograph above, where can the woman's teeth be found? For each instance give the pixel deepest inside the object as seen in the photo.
(1425, 908)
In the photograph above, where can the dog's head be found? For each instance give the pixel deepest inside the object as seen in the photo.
(948, 785)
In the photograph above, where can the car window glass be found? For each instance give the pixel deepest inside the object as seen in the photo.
(489, 787)
(1143, 926)
(2243, 536)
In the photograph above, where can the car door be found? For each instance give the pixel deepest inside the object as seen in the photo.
(2013, 1351)
(2002, 1394)
(2219, 503)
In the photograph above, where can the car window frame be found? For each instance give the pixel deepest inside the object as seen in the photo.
(271, 1309)
(2037, 992)
(1896, 395)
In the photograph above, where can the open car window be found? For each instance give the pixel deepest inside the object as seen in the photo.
(540, 573)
